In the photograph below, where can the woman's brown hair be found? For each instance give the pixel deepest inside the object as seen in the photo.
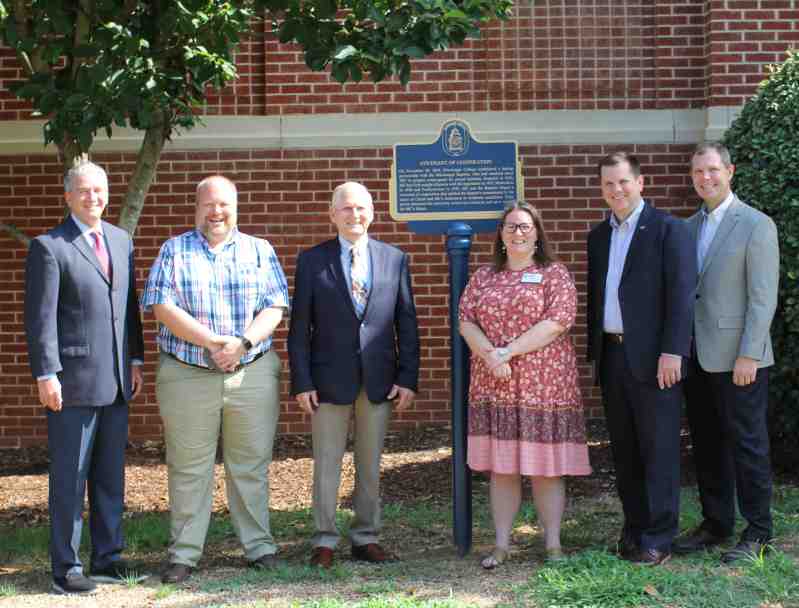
(543, 254)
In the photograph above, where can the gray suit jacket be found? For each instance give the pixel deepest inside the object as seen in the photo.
(736, 293)
(79, 325)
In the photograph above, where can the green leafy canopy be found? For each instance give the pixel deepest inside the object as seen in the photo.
(95, 64)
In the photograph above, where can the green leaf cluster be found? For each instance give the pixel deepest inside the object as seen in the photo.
(378, 38)
(764, 143)
(95, 64)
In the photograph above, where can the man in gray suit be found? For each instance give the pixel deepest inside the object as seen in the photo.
(85, 346)
(727, 389)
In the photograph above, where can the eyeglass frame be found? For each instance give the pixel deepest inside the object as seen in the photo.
(517, 227)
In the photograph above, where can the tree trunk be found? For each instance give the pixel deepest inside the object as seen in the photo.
(144, 173)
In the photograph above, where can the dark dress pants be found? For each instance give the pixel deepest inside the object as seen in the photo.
(86, 445)
(644, 426)
(730, 440)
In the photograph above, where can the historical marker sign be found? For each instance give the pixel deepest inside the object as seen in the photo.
(454, 178)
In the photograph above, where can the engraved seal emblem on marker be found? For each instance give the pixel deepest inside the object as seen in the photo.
(456, 138)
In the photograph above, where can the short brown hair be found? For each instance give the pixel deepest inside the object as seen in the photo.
(617, 158)
(716, 146)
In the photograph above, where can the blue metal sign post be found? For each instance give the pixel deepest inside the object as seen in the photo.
(456, 186)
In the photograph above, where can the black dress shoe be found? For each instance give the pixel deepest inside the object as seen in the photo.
(73, 583)
(117, 572)
(745, 549)
(696, 540)
(649, 557)
(176, 574)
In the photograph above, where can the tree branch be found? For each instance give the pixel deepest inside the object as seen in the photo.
(16, 233)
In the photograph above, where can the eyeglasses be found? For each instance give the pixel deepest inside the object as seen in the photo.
(511, 228)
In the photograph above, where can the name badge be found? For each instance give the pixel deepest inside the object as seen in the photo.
(532, 277)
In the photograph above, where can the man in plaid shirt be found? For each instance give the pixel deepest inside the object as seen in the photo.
(218, 295)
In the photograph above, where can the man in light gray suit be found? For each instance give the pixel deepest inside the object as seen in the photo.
(727, 389)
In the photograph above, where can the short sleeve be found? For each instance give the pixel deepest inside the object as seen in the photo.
(561, 296)
(160, 286)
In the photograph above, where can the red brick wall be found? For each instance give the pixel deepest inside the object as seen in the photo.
(284, 197)
(743, 36)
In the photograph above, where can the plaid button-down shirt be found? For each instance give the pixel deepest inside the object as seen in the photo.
(224, 291)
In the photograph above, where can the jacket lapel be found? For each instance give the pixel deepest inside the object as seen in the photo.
(724, 231)
(337, 272)
(379, 268)
(117, 251)
(83, 246)
(637, 241)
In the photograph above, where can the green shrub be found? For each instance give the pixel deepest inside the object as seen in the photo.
(764, 143)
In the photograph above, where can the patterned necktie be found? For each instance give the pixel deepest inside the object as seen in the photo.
(102, 253)
(358, 279)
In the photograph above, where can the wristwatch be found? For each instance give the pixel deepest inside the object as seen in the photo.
(503, 352)
(246, 343)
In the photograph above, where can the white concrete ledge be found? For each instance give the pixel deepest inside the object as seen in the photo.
(382, 130)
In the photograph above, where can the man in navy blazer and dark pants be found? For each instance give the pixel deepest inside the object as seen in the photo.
(85, 346)
(353, 345)
(641, 280)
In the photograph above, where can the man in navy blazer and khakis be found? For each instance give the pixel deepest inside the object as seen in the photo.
(85, 346)
(353, 345)
(727, 392)
(641, 279)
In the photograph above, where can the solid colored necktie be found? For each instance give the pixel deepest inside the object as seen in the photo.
(358, 280)
(102, 253)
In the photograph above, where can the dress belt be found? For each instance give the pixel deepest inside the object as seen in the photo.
(212, 369)
(615, 338)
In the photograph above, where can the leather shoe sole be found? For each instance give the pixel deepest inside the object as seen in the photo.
(322, 557)
(698, 540)
(373, 553)
(176, 574)
(746, 549)
(650, 557)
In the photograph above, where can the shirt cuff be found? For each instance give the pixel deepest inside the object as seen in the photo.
(672, 356)
(46, 377)
(136, 362)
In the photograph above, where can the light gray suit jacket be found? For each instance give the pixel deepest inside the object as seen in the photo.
(736, 293)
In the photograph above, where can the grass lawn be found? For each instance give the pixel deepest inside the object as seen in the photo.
(430, 574)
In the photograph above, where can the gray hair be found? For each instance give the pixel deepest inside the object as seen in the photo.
(205, 182)
(346, 186)
(717, 147)
(82, 168)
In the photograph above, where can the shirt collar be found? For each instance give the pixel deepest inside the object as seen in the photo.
(84, 228)
(230, 239)
(631, 219)
(346, 246)
(718, 213)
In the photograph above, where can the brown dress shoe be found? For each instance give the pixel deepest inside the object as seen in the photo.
(176, 574)
(696, 540)
(649, 557)
(372, 553)
(269, 561)
(322, 557)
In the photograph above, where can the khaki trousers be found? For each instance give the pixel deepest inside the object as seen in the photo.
(329, 427)
(194, 403)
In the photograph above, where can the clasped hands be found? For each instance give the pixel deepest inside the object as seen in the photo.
(226, 351)
(497, 362)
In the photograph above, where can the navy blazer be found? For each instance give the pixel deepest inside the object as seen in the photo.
(330, 349)
(79, 325)
(656, 293)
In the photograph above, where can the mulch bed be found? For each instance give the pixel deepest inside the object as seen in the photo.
(416, 465)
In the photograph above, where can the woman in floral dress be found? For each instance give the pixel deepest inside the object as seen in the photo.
(525, 408)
